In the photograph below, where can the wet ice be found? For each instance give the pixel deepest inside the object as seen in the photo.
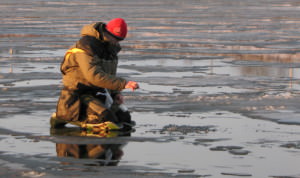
(230, 64)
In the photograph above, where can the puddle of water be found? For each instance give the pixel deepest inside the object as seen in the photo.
(217, 90)
(32, 83)
(34, 53)
(262, 139)
(150, 88)
(27, 67)
(36, 123)
(239, 130)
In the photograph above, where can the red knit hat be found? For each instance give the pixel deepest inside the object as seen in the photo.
(117, 27)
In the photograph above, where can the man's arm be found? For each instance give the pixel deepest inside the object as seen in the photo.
(99, 78)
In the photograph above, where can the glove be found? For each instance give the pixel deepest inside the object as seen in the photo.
(131, 84)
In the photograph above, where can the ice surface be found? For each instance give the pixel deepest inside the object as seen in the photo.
(233, 65)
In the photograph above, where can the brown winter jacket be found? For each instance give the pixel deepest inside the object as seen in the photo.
(90, 67)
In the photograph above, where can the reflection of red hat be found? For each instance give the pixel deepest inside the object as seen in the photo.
(117, 27)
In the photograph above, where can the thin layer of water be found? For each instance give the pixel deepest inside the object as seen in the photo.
(198, 63)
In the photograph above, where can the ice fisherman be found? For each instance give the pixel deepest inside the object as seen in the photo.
(89, 74)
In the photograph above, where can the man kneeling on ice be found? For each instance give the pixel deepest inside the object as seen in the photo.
(91, 93)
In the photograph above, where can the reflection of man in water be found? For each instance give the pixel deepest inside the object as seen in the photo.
(89, 74)
(106, 155)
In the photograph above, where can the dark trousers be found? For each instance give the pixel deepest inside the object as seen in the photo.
(94, 111)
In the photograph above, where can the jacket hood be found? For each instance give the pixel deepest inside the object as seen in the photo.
(89, 30)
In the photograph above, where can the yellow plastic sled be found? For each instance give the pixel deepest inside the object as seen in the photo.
(105, 126)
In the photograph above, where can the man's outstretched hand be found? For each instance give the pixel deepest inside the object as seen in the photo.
(132, 85)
